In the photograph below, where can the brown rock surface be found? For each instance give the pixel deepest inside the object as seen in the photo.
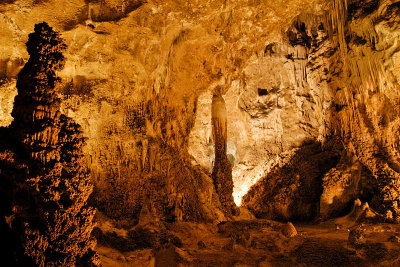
(289, 230)
(292, 189)
(311, 92)
(173, 53)
(50, 185)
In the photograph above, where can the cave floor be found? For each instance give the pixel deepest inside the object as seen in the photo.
(249, 243)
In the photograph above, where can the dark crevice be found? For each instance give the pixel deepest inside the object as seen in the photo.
(262, 92)
(361, 9)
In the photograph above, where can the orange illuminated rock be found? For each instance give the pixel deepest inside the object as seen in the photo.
(52, 218)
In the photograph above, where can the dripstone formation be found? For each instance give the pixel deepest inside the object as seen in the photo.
(222, 170)
(51, 219)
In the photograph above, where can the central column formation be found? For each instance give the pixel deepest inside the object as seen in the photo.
(222, 170)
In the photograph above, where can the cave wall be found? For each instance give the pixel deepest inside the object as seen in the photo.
(366, 96)
(140, 83)
(357, 61)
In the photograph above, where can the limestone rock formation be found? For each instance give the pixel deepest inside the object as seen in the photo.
(222, 169)
(363, 101)
(305, 122)
(337, 46)
(348, 181)
(167, 52)
(292, 189)
(289, 230)
(139, 78)
(50, 185)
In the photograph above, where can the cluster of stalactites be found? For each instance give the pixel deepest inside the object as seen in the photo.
(335, 19)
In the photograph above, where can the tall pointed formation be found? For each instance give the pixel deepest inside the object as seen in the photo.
(222, 170)
(52, 219)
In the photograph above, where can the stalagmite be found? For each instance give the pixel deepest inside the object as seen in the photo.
(222, 170)
(55, 224)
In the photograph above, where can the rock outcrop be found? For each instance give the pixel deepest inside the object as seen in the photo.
(292, 189)
(348, 181)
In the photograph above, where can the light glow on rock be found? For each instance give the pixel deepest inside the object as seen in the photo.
(243, 182)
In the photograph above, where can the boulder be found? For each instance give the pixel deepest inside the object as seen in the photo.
(289, 230)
